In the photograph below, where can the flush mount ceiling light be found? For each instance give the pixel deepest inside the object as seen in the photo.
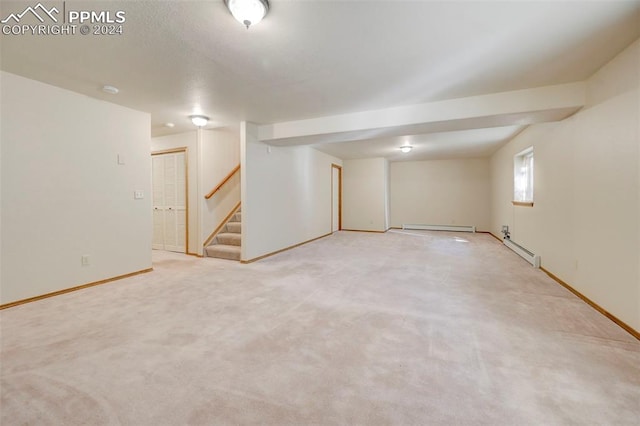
(406, 148)
(199, 120)
(112, 90)
(248, 12)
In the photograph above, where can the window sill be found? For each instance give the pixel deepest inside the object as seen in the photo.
(523, 203)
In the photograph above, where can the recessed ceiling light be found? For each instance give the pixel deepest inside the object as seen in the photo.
(112, 90)
(169, 124)
(199, 120)
(406, 148)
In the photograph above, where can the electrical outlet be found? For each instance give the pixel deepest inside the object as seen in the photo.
(85, 260)
(138, 194)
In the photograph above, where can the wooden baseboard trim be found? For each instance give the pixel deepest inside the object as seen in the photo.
(194, 255)
(362, 230)
(255, 259)
(626, 327)
(69, 290)
(490, 233)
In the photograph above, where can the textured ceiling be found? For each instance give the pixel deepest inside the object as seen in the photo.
(317, 58)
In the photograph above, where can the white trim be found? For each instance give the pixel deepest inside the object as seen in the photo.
(440, 228)
(533, 259)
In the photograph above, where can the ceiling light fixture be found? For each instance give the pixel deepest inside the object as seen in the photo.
(406, 148)
(110, 90)
(199, 120)
(169, 124)
(248, 12)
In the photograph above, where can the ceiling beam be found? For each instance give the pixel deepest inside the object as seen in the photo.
(519, 107)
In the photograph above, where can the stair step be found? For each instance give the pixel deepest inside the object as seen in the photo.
(223, 251)
(234, 227)
(229, 239)
(237, 217)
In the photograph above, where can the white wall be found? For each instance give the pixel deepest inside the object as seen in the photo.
(365, 202)
(186, 140)
(1, 180)
(286, 194)
(63, 193)
(220, 155)
(441, 192)
(585, 220)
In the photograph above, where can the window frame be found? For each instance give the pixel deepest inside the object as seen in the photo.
(523, 192)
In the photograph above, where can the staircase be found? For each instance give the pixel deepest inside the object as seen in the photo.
(226, 245)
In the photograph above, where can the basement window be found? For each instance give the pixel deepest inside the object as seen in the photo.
(523, 178)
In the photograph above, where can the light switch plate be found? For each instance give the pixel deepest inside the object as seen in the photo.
(120, 159)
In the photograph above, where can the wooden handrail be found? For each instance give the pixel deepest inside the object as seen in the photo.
(217, 188)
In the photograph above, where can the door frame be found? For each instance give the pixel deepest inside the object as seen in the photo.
(339, 168)
(186, 186)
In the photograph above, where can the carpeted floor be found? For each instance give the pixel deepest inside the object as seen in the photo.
(402, 328)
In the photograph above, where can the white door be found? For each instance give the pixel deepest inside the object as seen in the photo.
(169, 202)
(336, 179)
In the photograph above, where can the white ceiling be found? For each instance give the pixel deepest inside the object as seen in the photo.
(318, 58)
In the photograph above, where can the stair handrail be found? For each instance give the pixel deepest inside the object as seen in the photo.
(217, 188)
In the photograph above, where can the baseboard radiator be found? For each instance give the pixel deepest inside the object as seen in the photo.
(532, 258)
(440, 228)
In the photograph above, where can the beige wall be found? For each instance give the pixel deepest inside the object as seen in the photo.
(286, 194)
(585, 220)
(186, 140)
(441, 192)
(64, 195)
(365, 204)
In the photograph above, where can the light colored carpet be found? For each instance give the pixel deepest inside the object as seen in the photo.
(404, 328)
